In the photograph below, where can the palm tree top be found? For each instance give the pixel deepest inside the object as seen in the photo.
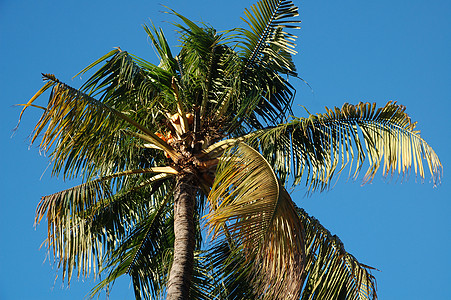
(208, 135)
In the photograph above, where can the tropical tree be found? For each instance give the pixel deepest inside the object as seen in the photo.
(186, 164)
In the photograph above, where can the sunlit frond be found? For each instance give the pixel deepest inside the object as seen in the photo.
(331, 272)
(258, 213)
(266, 40)
(133, 86)
(208, 66)
(267, 47)
(126, 81)
(81, 129)
(88, 220)
(322, 145)
(159, 41)
(78, 199)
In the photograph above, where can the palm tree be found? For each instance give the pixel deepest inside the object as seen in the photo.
(204, 139)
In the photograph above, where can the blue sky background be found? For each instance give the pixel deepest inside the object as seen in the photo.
(349, 51)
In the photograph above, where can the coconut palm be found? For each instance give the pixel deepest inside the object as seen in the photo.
(185, 167)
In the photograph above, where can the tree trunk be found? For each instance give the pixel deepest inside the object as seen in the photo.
(182, 265)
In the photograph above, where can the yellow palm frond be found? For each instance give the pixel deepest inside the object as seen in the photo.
(316, 148)
(74, 217)
(250, 206)
(82, 129)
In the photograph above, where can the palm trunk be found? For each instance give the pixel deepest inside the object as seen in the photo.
(182, 265)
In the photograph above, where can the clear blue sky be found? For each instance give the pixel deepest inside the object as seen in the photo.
(349, 51)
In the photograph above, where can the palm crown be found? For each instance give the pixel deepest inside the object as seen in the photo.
(204, 136)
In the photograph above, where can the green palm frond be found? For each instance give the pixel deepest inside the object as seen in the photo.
(208, 69)
(159, 41)
(144, 253)
(266, 95)
(331, 272)
(258, 213)
(268, 98)
(318, 147)
(134, 86)
(231, 272)
(198, 60)
(266, 37)
(202, 283)
(123, 78)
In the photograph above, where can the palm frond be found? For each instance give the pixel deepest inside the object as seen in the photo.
(76, 200)
(202, 283)
(159, 41)
(122, 76)
(231, 272)
(81, 128)
(138, 88)
(204, 63)
(266, 37)
(144, 253)
(247, 198)
(331, 272)
(321, 146)
(146, 256)
(217, 149)
(265, 94)
(88, 220)
(133, 85)
(268, 98)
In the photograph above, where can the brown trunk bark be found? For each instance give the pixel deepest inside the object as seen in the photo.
(182, 265)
